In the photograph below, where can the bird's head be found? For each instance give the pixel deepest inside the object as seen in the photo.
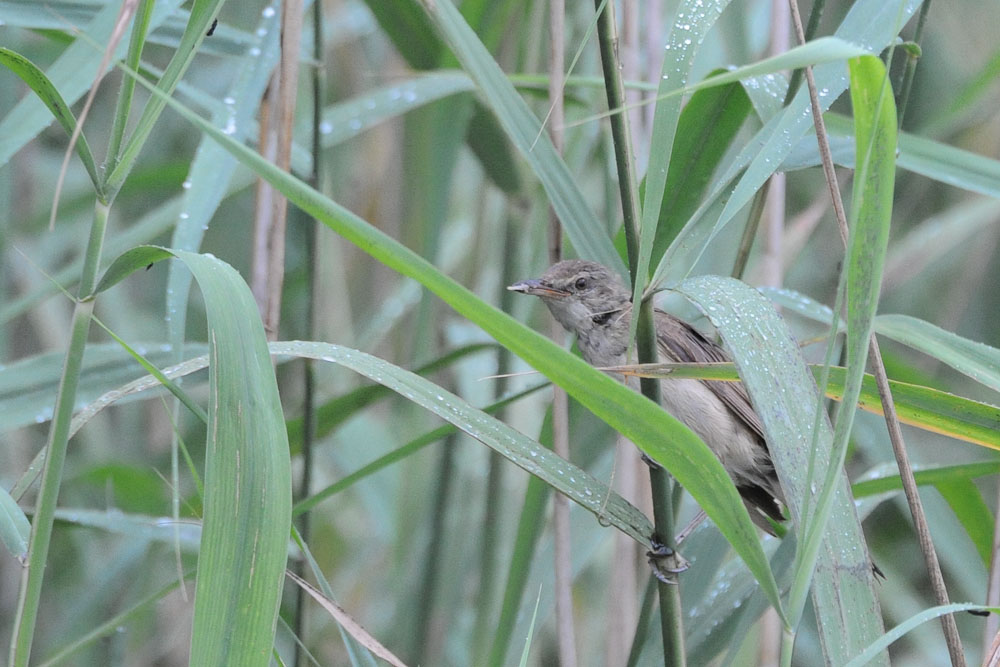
(580, 294)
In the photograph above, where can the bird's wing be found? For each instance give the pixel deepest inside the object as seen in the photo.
(681, 342)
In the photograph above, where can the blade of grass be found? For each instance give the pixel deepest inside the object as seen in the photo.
(920, 155)
(247, 505)
(36, 80)
(883, 643)
(869, 233)
(980, 362)
(202, 14)
(71, 74)
(785, 396)
(14, 527)
(917, 405)
(588, 235)
(871, 24)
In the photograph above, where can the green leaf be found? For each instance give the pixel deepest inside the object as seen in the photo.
(212, 169)
(410, 31)
(346, 120)
(587, 234)
(980, 362)
(917, 405)
(128, 263)
(967, 503)
(707, 126)
(202, 14)
(877, 647)
(786, 398)
(490, 146)
(338, 410)
(14, 526)
(28, 387)
(410, 448)
(29, 117)
(47, 93)
(933, 159)
(927, 476)
(871, 24)
(576, 484)
(687, 32)
(871, 215)
(930, 409)
(247, 504)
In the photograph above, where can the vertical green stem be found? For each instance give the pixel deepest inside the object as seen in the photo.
(815, 14)
(661, 484)
(127, 91)
(614, 87)
(41, 525)
(911, 64)
(430, 584)
(312, 262)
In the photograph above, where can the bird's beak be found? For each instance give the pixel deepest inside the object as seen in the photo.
(536, 287)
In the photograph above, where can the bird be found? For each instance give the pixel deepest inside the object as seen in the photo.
(591, 301)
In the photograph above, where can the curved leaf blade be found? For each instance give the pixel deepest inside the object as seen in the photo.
(28, 118)
(785, 396)
(14, 527)
(576, 484)
(871, 652)
(980, 362)
(248, 498)
(36, 80)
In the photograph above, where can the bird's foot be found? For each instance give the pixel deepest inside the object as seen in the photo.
(667, 563)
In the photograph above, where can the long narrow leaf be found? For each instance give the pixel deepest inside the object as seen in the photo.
(786, 398)
(585, 231)
(980, 362)
(71, 74)
(871, 24)
(870, 653)
(248, 497)
(924, 407)
(688, 30)
(202, 14)
(49, 95)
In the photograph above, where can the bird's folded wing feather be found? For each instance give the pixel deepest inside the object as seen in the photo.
(681, 342)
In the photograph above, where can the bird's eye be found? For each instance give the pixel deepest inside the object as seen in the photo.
(581, 283)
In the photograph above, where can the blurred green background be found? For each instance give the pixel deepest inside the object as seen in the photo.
(421, 159)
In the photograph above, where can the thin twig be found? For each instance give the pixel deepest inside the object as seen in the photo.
(888, 406)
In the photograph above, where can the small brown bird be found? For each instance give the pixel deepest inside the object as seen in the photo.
(589, 300)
